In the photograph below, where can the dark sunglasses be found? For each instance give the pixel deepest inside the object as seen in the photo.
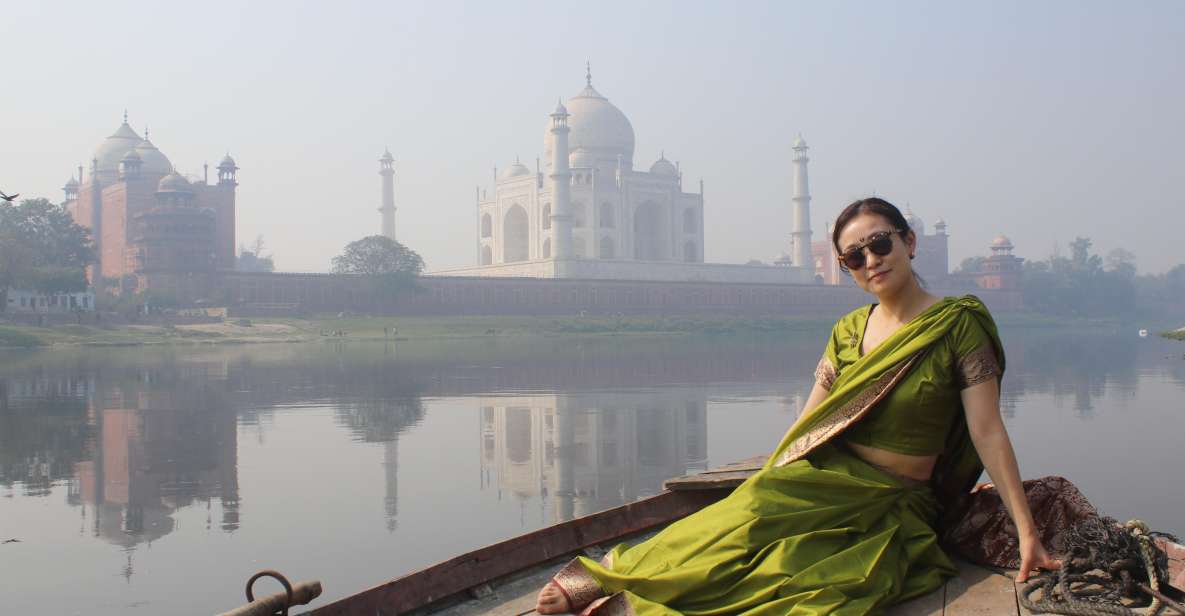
(880, 243)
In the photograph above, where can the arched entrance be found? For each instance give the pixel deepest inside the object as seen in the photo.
(515, 245)
(649, 232)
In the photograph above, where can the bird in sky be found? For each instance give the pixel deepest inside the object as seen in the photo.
(8, 198)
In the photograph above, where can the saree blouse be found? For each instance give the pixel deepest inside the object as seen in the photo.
(916, 416)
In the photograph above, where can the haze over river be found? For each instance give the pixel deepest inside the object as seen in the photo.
(156, 480)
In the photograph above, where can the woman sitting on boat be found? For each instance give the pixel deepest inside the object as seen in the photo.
(903, 417)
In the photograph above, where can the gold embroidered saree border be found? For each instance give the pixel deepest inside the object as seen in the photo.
(578, 585)
(978, 366)
(849, 413)
(825, 373)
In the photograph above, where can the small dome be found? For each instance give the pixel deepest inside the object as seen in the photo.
(155, 161)
(783, 259)
(227, 161)
(516, 170)
(131, 156)
(71, 183)
(1001, 242)
(941, 222)
(799, 143)
(385, 158)
(662, 166)
(174, 182)
(560, 109)
(915, 223)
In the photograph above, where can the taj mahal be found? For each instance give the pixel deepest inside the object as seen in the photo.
(587, 213)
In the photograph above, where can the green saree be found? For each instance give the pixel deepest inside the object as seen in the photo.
(819, 530)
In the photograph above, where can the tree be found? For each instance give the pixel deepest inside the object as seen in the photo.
(252, 259)
(970, 265)
(378, 255)
(41, 248)
(1122, 262)
(390, 266)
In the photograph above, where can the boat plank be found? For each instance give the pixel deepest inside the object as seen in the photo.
(979, 592)
(1176, 556)
(926, 605)
(727, 476)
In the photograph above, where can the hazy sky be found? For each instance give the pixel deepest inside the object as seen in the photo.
(1040, 120)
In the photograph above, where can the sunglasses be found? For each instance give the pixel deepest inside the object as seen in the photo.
(880, 243)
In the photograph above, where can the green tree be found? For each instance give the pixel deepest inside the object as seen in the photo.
(1079, 285)
(378, 255)
(391, 266)
(970, 265)
(41, 248)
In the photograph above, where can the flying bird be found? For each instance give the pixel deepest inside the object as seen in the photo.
(8, 198)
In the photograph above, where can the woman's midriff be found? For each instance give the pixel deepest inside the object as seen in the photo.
(914, 467)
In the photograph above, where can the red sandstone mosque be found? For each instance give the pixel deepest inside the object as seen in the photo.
(150, 222)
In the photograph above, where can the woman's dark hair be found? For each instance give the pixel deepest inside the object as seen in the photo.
(872, 205)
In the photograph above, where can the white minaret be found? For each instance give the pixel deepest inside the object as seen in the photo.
(387, 170)
(561, 178)
(802, 209)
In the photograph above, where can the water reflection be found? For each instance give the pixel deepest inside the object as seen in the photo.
(582, 453)
(135, 440)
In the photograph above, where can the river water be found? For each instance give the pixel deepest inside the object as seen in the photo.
(155, 481)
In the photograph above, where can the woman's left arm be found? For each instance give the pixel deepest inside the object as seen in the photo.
(982, 406)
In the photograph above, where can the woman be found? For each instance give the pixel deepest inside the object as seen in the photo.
(902, 419)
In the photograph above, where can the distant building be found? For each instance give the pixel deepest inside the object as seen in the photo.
(146, 219)
(587, 213)
(23, 301)
(1001, 270)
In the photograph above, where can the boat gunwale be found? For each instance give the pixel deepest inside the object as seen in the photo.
(443, 581)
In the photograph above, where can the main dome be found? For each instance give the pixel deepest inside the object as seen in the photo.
(113, 148)
(599, 130)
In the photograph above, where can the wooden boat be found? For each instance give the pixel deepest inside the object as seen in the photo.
(503, 579)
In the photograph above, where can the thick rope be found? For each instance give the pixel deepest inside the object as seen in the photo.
(1124, 558)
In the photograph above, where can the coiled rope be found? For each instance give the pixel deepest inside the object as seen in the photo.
(1107, 563)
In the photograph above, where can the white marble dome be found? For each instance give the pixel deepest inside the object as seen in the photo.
(662, 166)
(516, 170)
(113, 148)
(154, 161)
(597, 128)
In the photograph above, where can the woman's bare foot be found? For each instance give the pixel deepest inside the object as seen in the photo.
(552, 600)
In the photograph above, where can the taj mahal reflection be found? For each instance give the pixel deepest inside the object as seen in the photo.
(582, 453)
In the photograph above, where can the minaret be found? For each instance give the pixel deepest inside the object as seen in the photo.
(802, 209)
(561, 178)
(387, 170)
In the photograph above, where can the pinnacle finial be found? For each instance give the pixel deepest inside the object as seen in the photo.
(145, 132)
(125, 115)
(588, 73)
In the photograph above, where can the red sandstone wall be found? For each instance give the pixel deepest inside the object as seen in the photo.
(533, 296)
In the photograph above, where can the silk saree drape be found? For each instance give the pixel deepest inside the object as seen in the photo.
(817, 530)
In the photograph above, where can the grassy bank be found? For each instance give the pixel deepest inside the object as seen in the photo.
(332, 328)
(1175, 335)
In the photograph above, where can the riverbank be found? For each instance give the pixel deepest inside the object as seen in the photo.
(335, 329)
(1175, 335)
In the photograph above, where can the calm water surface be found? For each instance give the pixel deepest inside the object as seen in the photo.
(156, 481)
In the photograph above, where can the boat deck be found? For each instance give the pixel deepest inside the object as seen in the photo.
(976, 591)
